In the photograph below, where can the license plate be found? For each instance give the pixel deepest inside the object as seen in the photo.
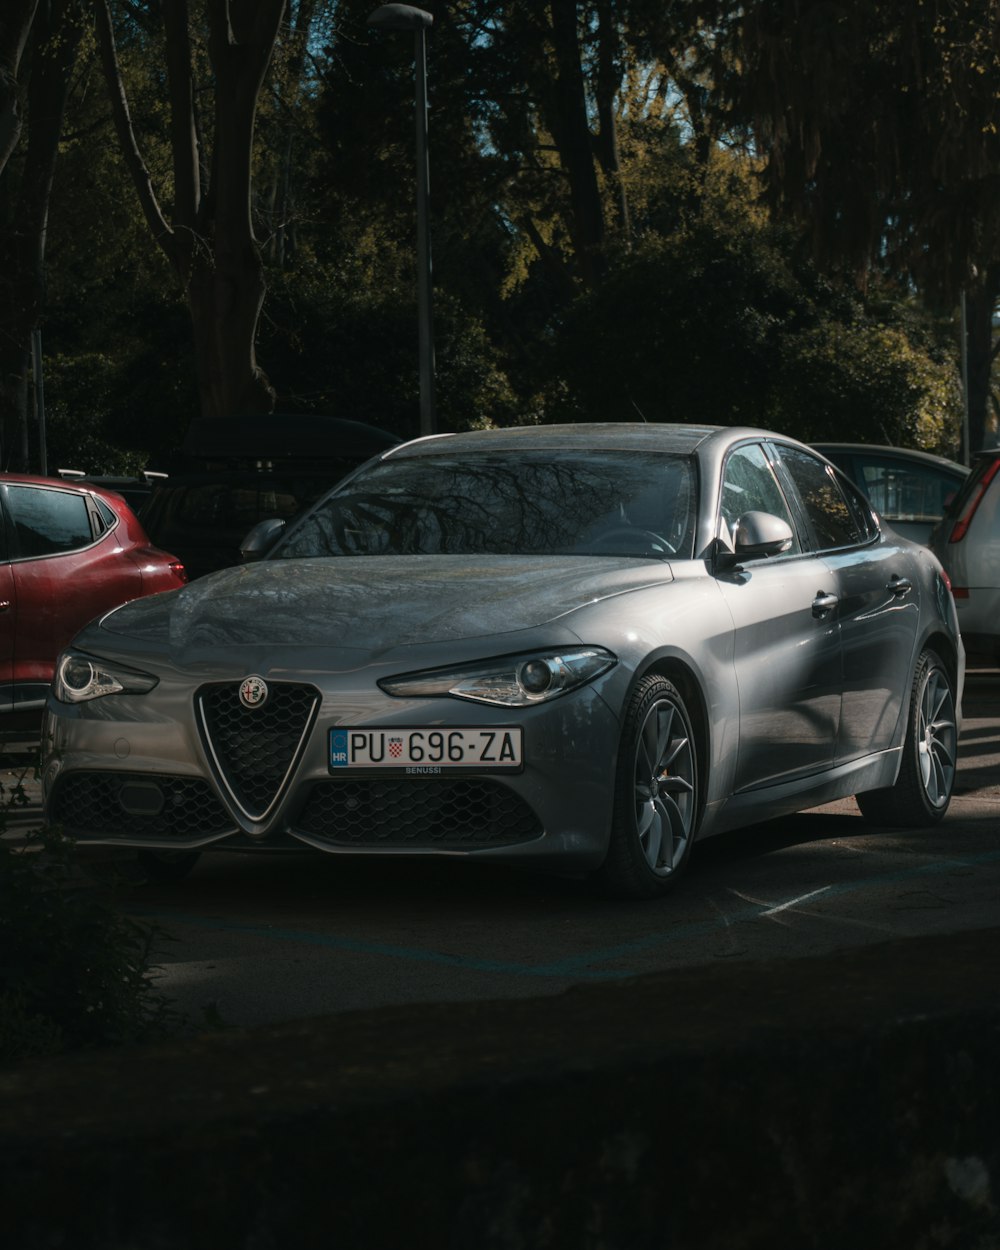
(427, 750)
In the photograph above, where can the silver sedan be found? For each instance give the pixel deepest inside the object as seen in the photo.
(582, 647)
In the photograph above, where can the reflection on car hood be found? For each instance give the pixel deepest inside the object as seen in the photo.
(379, 602)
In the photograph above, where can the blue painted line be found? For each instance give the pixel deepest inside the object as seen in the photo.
(577, 967)
(755, 911)
(303, 937)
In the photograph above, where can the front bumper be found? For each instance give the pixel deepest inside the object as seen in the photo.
(114, 774)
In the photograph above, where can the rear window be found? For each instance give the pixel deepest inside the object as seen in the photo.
(901, 491)
(231, 507)
(225, 508)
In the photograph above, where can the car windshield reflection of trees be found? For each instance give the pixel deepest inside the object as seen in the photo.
(607, 504)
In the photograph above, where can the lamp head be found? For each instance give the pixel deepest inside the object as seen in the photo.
(400, 17)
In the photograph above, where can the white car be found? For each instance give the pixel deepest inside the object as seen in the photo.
(967, 542)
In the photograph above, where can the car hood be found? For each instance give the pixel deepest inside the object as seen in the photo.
(377, 603)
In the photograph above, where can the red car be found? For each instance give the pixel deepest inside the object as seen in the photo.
(68, 553)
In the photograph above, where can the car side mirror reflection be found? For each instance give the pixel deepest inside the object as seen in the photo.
(261, 539)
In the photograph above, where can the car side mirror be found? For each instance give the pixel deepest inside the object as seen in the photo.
(261, 539)
(756, 534)
(761, 534)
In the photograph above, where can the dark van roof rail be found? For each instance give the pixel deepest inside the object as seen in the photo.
(285, 437)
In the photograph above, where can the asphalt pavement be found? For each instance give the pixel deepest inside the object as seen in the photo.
(256, 939)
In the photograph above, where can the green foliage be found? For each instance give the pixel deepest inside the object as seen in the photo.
(706, 309)
(722, 324)
(348, 346)
(74, 974)
(79, 398)
(684, 329)
(860, 382)
(893, 151)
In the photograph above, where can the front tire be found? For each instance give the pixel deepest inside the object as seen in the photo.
(656, 787)
(926, 778)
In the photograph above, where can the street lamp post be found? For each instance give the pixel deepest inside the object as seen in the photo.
(406, 17)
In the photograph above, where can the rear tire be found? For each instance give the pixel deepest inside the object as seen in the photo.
(656, 787)
(926, 780)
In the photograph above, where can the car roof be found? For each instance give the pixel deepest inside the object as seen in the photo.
(113, 498)
(612, 436)
(886, 449)
(37, 479)
(285, 436)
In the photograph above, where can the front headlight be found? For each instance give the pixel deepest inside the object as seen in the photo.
(510, 681)
(80, 678)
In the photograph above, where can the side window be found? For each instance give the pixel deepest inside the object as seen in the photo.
(835, 522)
(861, 510)
(47, 522)
(106, 519)
(749, 485)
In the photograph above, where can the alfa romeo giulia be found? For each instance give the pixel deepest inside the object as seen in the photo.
(583, 647)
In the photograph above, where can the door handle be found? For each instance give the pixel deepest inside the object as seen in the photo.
(823, 604)
(899, 586)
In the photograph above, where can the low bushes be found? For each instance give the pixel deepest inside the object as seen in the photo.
(74, 973)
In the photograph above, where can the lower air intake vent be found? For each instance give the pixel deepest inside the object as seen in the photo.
(103, 804)
(417, 813)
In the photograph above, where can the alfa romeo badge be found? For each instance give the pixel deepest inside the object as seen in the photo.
(253, 691)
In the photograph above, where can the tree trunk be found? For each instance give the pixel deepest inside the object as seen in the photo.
(609, 77)
(16, 17)
(571, 131)
(283, 245)
(55, 38)
(225, 295)
(210, 241)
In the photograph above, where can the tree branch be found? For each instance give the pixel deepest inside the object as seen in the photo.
(162, 233)
(15, 23)
(183, 131)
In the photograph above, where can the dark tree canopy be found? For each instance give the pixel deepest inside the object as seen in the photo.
(878, 125)
(682, 208)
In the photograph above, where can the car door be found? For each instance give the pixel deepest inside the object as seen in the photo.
(67, 568)
(878, 604)
(787, 650)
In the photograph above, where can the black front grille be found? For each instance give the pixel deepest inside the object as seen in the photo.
(90, 804)
(256, 748)
(417, 813)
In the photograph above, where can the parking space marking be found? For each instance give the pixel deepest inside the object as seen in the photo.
(754, 911)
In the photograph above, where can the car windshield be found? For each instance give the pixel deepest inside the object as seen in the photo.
(506, 503)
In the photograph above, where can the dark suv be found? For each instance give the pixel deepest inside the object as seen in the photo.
(233, 473)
